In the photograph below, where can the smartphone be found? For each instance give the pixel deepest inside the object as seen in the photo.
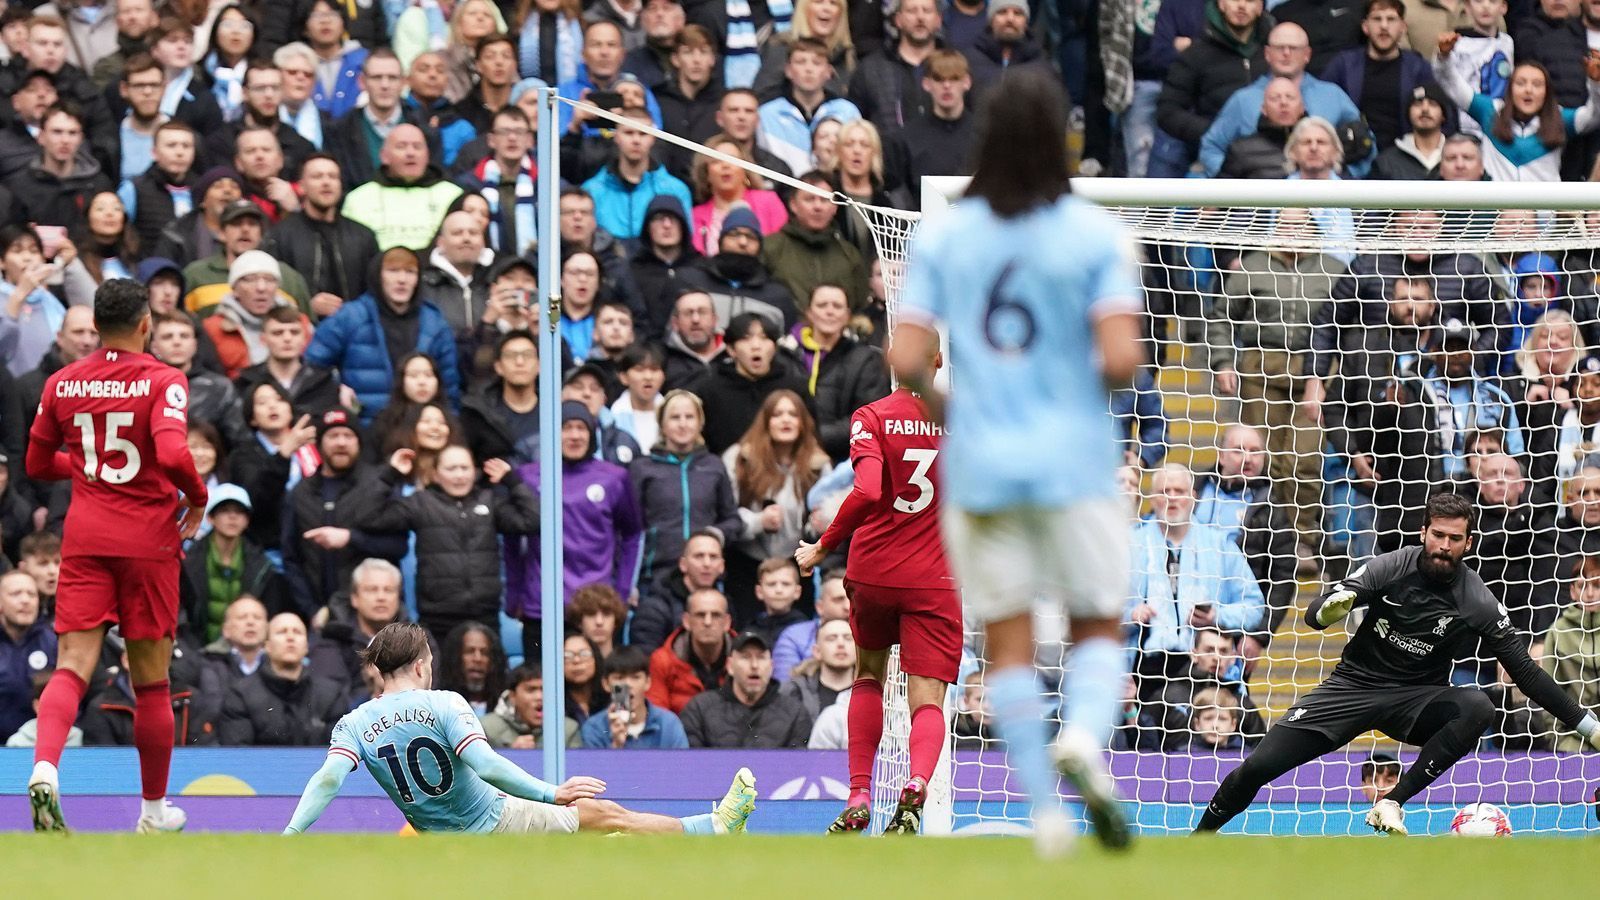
(51, 239)
(606, 99)
(621, 696)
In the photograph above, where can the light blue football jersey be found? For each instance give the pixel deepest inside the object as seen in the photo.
(1029, 422)
(411, 742)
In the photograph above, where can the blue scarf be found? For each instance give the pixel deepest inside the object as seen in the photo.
(569, 47)
(176, 92)
(438, 28)
(489, 175)
(743, 55)
(228, 86)
(307, 122)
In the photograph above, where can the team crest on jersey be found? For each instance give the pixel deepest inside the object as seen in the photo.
(596, 493)
(1294, 714)
(1444, 622)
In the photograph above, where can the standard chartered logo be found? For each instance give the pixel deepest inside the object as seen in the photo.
(1382, 628)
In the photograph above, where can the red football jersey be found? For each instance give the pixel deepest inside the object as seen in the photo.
(898, 543)
(106, 410)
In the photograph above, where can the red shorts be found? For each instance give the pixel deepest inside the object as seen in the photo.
(138, 595)
(925, 622)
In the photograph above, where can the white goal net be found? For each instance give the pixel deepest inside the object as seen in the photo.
(1444, 328)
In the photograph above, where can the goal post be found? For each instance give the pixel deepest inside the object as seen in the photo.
(1510, 272)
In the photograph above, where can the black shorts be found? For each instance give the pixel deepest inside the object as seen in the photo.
(1342, 712)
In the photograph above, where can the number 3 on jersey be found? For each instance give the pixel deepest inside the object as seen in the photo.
(922, 458)
(92, 449)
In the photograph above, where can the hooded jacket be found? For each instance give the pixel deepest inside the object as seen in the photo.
(601, 528)
(621, 206)
(1404, 162)
(842, 380)
(1204, 76)
(655, 277)
(674, 680)
(402, 213)
(353, 341)
(732, 400)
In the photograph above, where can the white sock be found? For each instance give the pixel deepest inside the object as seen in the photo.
(46, 772)
(153, 809)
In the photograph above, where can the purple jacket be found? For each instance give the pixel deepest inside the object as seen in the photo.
(604, 534)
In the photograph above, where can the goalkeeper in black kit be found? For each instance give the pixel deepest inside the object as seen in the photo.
(1424, 609)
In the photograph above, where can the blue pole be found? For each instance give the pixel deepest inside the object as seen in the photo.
(546, 316)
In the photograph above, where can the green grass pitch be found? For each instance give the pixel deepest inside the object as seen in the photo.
(383, 867)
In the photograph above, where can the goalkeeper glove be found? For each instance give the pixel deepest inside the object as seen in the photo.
(1590, 729)
(1336, 607)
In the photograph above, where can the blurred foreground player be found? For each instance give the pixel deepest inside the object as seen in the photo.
(1040, 330)
(428, 751)
(1424, 610)
(901, 593)
(115, 422)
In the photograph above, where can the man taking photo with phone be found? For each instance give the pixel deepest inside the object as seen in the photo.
(631, 722)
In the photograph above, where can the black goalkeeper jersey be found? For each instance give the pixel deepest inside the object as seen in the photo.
(1417, 626)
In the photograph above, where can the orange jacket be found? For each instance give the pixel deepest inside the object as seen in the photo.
(232, 350)
(673, 680)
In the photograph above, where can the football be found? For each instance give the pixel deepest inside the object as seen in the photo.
(1481, 820)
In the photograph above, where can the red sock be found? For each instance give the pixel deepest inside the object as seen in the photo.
(866, 730)
(152, 735)
(58, 709)
(927, 740)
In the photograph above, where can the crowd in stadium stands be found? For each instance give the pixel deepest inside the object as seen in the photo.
(333, 203)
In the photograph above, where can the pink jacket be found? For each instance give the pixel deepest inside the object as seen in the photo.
(707, 222)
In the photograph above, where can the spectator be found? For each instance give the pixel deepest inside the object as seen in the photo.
(225, 565)
(360, 138)
(664, 253)
(1260, 153)
(107, 248)
(1527, 121)
(408, 198)
(693, 343)
(1382, 76)
(603, 51)
(1213, 664)
(861, 175)
(598, 612)
(39, 556)
(1288, 51)
(1541, 386)
(318, 241)
(844, 374)
(694, 658)
(737, 119)
(212, 398)
(1470, 400)
(504, 416)
(172, 44)
(1379, 774)
(505, 179)
(691, 96)
(624, 190)
(473, 665)
(27, 735)
(263, 97)
(796, 642)
(819, 681)
(167, 190)
(1416, 155)
(601, 527)
(45, 49)
(135, 21)
(1539, 285)
(282, 704)
(586, 385)
(107, 719)
(518, 722)
(1214, 721)
(809, 250)
(418, 386)
(773, 467)
(482, 68)
(1515, 547)
(1483, 53)
(30, 100)
(337, 70)
(456, 278)
(141, 83)
(32, 315)
(234, 655)
(311, 389)
(803, 96)
(824, 22)
(374, 601)
(1578, 528)
(737, 278)
(730, 191)
(683, 489)
(1553, 36)
(1570, 655)
(890, 86)
(225, 57)
(637, 724)
(613, 336)
(738, 384)
(1316, 154)
(1185, 576)
(75, 338)
(651, 61)
(1225, 57)
(458, 566)
(938, 140)
(367, 336)
(546, 26)
(1004, 45)
(323, 540)
(635, 412)
(749, 710)
(580, 290)
(58, 184)
(210, 457)
(197, 234)
(237, 326)
(16, 512)
(1236, 497)
(579, 231)
(1255, 334)
(778, 590)
(581, 673)
(208, 281)
(27, 648)
(425, 85)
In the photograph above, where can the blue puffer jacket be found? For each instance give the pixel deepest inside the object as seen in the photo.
(352, 340)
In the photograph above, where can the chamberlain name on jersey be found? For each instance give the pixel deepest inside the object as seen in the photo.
(1021, 298)
(411, 742)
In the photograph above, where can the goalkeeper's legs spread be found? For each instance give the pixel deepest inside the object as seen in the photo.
(1447, 729)
(1283, 749)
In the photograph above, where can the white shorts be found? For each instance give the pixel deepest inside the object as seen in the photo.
(1074, 557)
(520, 816)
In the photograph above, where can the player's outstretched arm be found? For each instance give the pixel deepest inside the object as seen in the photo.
(508, 777)
(319, 792)
(1331, 610)
(1541, 688)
